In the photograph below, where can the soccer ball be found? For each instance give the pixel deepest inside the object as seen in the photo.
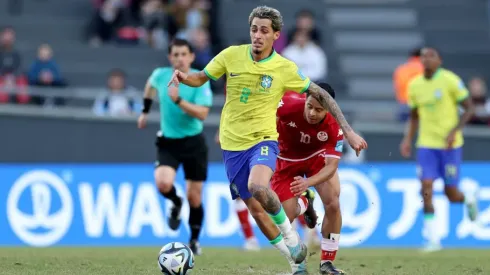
(176, 259)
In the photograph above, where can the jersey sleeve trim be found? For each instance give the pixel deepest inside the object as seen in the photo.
(209, 75)
(332, 156)
(306, 87)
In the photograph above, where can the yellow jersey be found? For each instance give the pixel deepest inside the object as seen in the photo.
(437, 103)
(253, 92)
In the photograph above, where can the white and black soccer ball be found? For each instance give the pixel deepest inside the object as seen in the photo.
(176, 259)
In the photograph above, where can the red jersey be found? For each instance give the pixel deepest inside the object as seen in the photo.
(299, 140)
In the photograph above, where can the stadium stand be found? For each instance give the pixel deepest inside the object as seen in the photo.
(363, 48)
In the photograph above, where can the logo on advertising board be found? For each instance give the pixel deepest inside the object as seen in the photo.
(43, 187)
(47, 205)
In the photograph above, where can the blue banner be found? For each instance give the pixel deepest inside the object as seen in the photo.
(108, 205)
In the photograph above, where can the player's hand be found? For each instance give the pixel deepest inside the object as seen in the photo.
(216, 137)
(173, 92)
(450, 138)
(142, 119)
(299, 185)
(356, 142)
(406, 148)
(177, 77)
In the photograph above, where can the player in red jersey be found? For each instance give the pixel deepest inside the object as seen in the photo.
(310, 144)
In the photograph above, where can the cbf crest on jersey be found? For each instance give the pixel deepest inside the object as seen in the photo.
(265, 83)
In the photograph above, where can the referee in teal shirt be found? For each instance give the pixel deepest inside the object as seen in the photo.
(180, 139)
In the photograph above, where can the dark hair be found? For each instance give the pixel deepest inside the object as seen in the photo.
(179, 43)
(416, 52)
(327, 88)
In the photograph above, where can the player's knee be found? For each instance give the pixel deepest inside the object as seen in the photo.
(164, 186)
(332, 207)
(452, 194)
(256, 189)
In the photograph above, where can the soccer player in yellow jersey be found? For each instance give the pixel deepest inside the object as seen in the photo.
(434, 98)
(256, 79)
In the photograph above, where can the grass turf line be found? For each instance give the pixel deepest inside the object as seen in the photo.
(220, 261)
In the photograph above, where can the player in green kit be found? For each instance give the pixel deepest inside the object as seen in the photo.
(180, 139)
(434, 98)
(256, 79)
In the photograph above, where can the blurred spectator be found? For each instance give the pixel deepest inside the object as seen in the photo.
(153, 18)
(202, 48)
(188, 15)
(45, 71)
(478, 93)
(118, 99)
(108, 16)
(10, 60)
(13, 85)
(402, 76)
(309, 57)
(305, 21)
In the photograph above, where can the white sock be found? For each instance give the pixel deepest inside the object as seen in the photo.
(430, 226)
(302, 205)
(280, 244)
(290, 236)
(330, 246)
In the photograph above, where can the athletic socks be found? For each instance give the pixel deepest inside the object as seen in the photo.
(291, 238)
(243, 217)
(429, 227)
(330, 246)
(279, 243)
(172, 195)
(196, 216)
(303, 204)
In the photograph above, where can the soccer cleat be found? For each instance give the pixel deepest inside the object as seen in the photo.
(300, 269)
(195, 247)
(174, 219)
(472, 206)
(251, 245)
(327, 268)
(299, 252)
(310, 213)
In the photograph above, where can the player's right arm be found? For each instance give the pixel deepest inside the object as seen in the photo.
(412, 123)
(214, 70)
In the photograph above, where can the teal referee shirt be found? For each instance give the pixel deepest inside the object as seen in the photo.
(174, 122)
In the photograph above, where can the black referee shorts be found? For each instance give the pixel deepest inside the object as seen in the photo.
(191, 152)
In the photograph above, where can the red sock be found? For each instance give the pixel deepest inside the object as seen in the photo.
(301, 220)
(242, 213)
(328, 255)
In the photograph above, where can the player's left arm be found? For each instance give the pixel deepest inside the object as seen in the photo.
(203, 102)
(461, 95)
(327, 172)
(333, 152)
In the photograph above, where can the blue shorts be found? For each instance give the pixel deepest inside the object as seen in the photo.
(439, 163)
(238, 165)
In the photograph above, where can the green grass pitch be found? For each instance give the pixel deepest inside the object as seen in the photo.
(221, 261)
